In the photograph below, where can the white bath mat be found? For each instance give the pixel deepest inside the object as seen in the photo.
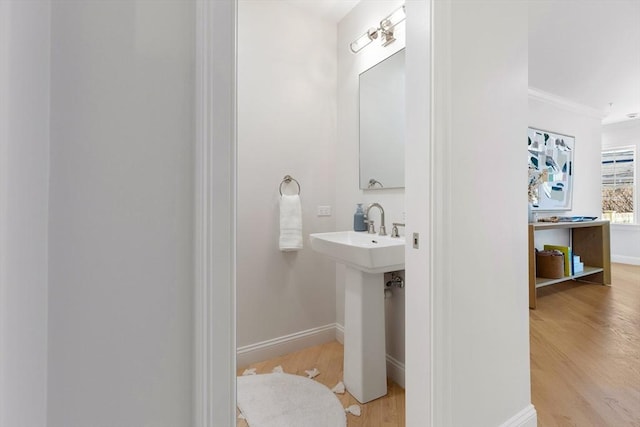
(284, 400)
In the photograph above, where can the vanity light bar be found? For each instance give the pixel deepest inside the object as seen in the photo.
(364, 40)
(384, 31)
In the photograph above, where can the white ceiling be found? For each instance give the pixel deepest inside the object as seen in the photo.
(332, 10)
(587, 51)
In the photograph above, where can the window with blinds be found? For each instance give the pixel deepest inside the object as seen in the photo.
(618, 185)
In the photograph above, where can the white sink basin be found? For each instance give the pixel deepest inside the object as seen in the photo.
(366, 252)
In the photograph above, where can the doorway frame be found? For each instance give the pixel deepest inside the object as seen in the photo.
(215, 226)
(214, 400)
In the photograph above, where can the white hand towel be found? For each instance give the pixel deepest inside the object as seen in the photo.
(290, 223)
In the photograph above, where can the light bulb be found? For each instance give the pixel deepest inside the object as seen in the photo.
(396, 17)
(364, 40)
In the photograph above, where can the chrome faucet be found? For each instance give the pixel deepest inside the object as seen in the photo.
(371, 228)
(394, 229)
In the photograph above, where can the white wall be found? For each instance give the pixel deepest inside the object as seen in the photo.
(556, 114)
(24, 172)
(482, 328)
(121, 214)
(625, 238)
(286, 125)
(552, 113)
(363, 16)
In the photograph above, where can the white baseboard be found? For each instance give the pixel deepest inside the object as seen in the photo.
(625, 259)
(528, 417)
(340, 333)
(269, 349)
(395, 368)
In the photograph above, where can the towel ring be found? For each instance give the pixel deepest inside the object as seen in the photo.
(287, 180)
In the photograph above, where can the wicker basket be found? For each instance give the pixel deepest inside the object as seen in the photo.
(550, 264)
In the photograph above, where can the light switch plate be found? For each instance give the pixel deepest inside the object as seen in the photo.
(324, 210)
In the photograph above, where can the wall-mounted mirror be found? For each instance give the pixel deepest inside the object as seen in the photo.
(382, 124)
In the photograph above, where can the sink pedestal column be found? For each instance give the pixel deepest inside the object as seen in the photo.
(365, 366)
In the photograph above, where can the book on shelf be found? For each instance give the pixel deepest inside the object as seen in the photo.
(568, 219)
(578, 266)
(568, 257)
(576, 218)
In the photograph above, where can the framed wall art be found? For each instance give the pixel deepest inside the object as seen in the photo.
(551, 169)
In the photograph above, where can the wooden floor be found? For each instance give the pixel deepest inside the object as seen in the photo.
(585, 359)
(585, 352)
(387, 411)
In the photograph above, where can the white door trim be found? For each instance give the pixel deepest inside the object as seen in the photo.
(421, 192)
(5, 25)
(440, 204)
(214, 373)
(215, 182)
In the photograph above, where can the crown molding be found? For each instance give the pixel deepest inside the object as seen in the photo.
(565, 103)
(627, 121)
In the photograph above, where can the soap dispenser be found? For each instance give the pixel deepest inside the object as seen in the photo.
(358, 219)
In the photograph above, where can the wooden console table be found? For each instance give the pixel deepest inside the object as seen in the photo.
(589, 239)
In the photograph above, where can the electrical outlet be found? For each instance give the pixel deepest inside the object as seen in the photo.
(324, 210)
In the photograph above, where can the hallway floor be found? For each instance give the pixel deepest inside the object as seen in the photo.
(585, 352)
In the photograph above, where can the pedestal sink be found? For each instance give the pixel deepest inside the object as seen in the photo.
(366, 257)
